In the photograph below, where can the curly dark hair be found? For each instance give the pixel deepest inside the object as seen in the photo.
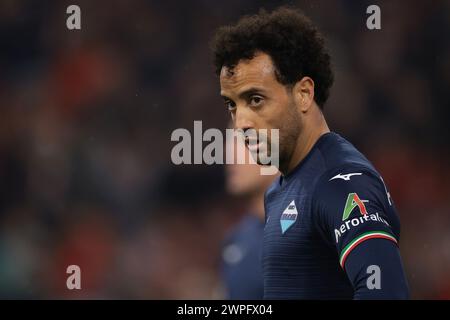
(290, 38)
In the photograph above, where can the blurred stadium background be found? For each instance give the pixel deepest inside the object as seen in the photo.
(85, 124)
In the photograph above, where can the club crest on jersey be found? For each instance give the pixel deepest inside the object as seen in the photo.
(288, 217)
(352, 202)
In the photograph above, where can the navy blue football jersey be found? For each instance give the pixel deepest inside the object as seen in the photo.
(332, 230)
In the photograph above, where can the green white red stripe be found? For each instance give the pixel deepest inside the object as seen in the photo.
(365, 236)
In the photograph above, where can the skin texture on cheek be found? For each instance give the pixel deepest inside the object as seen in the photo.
(289, 132)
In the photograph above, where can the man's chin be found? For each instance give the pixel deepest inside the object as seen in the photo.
(262, 159)
(255, 156)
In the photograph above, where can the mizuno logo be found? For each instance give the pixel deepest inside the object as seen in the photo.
(345, 177)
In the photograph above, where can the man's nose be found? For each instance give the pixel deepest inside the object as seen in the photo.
(243, 118)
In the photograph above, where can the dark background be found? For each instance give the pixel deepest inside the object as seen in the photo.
(85, 124)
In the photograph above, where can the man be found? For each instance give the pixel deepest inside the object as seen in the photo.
(332, 230)
(241, 267)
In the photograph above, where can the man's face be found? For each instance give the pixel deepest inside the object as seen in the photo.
(256, 100)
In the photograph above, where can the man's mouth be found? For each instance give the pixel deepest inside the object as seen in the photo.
(253, 144)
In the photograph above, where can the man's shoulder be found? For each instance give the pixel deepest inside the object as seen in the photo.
(349, 179)
(342, 161)
(332, 159)
(337, 152)
(332, 156)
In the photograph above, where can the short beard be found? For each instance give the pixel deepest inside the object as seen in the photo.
(289, 133)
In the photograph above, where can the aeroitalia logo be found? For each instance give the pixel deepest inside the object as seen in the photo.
(355, 222)
(352, 202)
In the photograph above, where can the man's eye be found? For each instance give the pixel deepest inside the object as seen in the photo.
(230, 105)
(256, 100)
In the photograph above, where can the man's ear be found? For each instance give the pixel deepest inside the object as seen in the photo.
(304, 93)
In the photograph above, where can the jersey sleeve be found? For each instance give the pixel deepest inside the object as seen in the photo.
(355, 214)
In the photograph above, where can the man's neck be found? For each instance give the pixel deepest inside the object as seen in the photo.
(311, 133)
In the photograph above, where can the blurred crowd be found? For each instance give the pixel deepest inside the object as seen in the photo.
(85, 123)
